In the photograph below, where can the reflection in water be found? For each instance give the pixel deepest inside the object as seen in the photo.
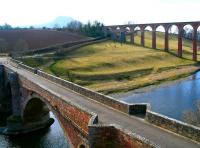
(171, 100)
(52, 137)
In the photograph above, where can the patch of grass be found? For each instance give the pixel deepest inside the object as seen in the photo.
(35, 62)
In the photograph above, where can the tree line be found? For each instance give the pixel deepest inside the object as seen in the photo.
(91, 29)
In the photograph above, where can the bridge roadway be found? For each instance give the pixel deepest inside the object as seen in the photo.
(108, 115)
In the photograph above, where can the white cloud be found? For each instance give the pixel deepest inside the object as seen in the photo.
(27, 12)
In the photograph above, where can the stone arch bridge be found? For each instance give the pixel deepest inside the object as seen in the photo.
(131, 29)
(88, 119)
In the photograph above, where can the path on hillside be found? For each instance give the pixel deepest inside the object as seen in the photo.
(108, 115)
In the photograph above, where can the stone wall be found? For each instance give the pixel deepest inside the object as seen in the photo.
(173, 125)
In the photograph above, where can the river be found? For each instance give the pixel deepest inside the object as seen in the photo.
(171, 99)
(52, 137)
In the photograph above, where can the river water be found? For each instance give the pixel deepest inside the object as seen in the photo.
(52, 137)
(170, 100)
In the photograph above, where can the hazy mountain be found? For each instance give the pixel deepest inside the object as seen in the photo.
(60, 21)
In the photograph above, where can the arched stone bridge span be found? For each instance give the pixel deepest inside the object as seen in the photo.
(131, 28)
(88, 119)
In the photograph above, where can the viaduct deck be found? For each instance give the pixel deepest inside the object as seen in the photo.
(108, 115)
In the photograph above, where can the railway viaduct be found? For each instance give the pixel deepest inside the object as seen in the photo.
(88, 119)
(132, 28)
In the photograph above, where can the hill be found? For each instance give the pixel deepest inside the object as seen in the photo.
(113, 67)
(60, 21)
(18, 40)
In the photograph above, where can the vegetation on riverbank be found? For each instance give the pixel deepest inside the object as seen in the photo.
(113, 67)
(193, 117)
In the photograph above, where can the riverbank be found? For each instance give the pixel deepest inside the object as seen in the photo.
(122, 95)
(159, 81)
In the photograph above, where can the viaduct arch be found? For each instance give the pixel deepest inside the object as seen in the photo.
(180, 25)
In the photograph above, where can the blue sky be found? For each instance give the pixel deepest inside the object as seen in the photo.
(29, 12)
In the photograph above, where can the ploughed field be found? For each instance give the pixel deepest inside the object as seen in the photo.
(18, 40)
(111, 67)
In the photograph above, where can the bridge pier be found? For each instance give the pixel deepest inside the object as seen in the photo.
(122, 37)
(5, 98)
(154, 37)
(180, 34)
(142, 37)
(113, 36)
(132, 38)
(166, 40)
(15, 92)
(194, 44)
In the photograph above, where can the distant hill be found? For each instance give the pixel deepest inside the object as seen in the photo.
(19, 40)
(60, 21)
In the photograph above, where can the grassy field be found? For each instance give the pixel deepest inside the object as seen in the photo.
(111, 67)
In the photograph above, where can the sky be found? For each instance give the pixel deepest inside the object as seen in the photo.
(110, 12)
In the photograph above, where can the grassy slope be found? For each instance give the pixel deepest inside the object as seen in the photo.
(112, 67)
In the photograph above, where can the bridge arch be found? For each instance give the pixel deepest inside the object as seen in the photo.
(72, 134)
(188, 32)
(148, 36)
(118, 29)
(35, 110)
(137, 35)
(160, 36)
(82, 146)
(173, 40)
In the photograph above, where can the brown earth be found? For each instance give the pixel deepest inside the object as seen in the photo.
(36, 38)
